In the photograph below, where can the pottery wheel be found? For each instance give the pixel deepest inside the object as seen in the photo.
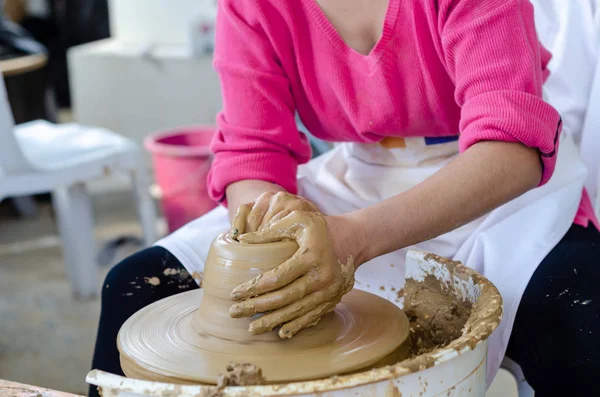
(166, 342)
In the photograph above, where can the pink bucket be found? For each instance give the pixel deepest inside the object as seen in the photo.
(181, 160)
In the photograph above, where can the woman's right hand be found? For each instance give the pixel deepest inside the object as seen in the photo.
(268, 207)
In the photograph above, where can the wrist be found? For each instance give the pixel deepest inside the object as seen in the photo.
(349, 238)
(373, 237)
(246, 191)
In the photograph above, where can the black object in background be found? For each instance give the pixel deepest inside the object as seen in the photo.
(25, 75)
(70, 23)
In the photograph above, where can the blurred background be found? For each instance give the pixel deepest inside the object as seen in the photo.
(104, 75)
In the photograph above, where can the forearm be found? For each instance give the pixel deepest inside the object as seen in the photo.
(484, 177)
(243, 192)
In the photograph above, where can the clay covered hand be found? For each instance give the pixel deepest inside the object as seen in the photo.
(297, 293)
(267, 208)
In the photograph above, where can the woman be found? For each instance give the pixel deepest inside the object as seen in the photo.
(448, 146)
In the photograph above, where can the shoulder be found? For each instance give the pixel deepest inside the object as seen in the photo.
(257, 12)
(457, 13)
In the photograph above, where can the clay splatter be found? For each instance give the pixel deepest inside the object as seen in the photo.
(586, 302)
(400, 293)
(244, 374)
(152, 280)
(171, 272)
(393, 391)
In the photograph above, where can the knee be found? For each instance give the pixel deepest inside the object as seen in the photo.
(135, 273)
(560, 344)
(147, 276)
(122, 278)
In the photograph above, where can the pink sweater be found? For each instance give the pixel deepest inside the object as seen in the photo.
(441, 67)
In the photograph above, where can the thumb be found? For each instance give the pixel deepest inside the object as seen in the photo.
(263, 236)
(238, 225)
(283, 228)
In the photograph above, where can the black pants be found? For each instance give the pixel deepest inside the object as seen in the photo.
(555, 338)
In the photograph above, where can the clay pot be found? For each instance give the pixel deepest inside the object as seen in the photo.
(228, 265)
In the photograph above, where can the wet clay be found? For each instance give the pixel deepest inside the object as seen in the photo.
(269, 207)
(243, 374)
(191, 337)
(474, 320)
(436, 316)
(300, 291)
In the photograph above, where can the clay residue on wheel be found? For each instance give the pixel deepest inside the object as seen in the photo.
(243, 374)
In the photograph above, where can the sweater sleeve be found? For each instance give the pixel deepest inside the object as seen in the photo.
(493, 55)
(257, 137)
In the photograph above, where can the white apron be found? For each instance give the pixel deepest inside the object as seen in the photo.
(506, 245)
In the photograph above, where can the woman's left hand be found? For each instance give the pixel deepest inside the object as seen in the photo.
(297, 293)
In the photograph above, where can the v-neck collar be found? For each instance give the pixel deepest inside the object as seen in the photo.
(369, 60)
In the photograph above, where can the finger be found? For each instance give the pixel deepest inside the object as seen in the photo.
(275, 278)
(305, 321)
(276, 213)
(279, 202)
(267, 235)
(309, 207)
(255, 217)
(297, 290)
(271, 320)
(275, 218)
(238, 226)
(283, 228)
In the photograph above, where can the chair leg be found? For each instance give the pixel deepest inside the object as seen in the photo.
(145, 205)
(76, 227)
(26, 206)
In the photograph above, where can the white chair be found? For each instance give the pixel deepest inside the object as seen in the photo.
(40, 157)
